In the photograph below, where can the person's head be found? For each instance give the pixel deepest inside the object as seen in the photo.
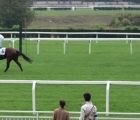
(87, 96)
(62, 103)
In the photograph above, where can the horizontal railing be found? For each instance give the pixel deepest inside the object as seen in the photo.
(107, 83)
(38, 115)
(11, 41)
(67, 38)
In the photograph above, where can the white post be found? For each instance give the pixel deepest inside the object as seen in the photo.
(96, 37)
(37, 116)
(67, 37)
(33, 96)
(38, 42)
(107, 97)
(64, 46)
(38, 35)
(130, 46)
(126, 40)
(11, 35)
(13, 44)
(90, 47)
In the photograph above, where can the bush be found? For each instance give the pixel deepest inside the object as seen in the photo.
(120, 16)
(128, 28)
(15, 27)
(135, 28)
(117, 22)
(125, 19)
(136, 20)
(100, 28)
(125, 22)
(112, 22)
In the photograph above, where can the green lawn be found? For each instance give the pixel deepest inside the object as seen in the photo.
(108, 61)
(80, 19)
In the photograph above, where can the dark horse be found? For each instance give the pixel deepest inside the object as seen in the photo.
(12, 54)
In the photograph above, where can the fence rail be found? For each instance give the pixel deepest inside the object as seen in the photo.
(36, 113)
(67, 38)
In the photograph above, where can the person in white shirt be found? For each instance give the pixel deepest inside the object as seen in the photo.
(87, 107)
(1, 40)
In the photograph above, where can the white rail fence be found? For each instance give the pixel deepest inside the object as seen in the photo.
(47, 117)
(66, 39)
(35, 115)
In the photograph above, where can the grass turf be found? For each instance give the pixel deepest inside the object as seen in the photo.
(109, 61)
(80, 19)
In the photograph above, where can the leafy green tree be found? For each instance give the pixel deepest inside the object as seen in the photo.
(13, 12)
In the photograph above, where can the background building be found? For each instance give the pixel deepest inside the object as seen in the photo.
(82, 3)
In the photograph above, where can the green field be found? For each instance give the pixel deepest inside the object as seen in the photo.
(108, 61)
(79, 19)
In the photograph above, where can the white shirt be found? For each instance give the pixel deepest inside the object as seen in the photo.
(1, 37)
(86, 109)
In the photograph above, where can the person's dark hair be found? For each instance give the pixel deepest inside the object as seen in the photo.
(62, 103)
(87, 96)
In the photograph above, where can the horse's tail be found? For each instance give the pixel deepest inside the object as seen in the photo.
(24, 56)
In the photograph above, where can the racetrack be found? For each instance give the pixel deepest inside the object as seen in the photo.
(109, 60)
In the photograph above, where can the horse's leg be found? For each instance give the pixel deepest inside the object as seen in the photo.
(8, 64)
(17, 62)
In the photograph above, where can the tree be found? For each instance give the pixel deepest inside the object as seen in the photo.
(13, 12)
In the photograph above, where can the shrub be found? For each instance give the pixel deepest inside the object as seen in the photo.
(125, 19)
(100, 28)
(15, 27)
(117, 22)
(120, 16)
(125, 22)
(112, 22)
(135, 21)
(128, 28)
(135, 28)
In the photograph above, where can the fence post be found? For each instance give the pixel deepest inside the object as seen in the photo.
(130, 46)
(38, 42)
(13, 43)
(107, 97)
(33, 96)
(64, 46)
(90, 47)
(126, 40)
(96, 37)
(67, 37)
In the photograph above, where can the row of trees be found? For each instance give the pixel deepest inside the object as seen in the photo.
(15, 12)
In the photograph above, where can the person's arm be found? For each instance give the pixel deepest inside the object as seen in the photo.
(82, 114)
(95, 116)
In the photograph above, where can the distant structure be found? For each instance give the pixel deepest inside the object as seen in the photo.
(82, 3)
